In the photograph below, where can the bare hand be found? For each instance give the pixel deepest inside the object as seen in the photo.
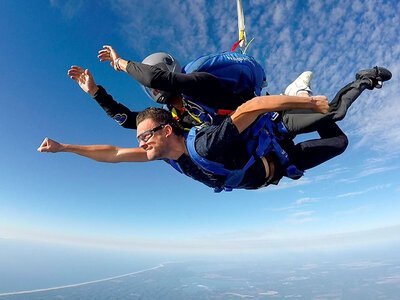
(48, 145)
(109, 54)
(321, 104)
(84, 78)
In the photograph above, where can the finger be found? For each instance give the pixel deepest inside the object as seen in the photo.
(108, 47)
(75, 72)
(105, 53)
(42, 149)
(104, 57)
(76, 68)
(87, 72)
(74, 78)
(44, 143)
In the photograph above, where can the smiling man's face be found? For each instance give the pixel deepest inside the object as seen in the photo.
(152, 138)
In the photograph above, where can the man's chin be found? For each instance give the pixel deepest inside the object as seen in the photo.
(152, 156)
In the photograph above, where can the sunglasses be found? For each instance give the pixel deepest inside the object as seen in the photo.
(148, 134)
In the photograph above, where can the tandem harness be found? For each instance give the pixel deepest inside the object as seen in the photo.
(262, 139)
(239, 73)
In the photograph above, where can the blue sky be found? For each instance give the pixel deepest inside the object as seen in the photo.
(62, 198)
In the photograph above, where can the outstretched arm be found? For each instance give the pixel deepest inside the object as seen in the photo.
(248, 112)
(101, 153)
(198, 85)
(117, 111)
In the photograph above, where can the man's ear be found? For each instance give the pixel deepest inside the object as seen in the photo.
(168, 130)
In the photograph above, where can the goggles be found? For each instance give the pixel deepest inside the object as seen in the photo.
(148, 134)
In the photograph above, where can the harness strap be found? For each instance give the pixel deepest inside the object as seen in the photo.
(263, 134)
(233, 177)
(267, 142)
(211, 166)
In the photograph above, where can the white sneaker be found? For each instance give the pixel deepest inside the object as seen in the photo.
(302, 84)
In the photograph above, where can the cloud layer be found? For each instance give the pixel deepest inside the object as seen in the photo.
(334, 39)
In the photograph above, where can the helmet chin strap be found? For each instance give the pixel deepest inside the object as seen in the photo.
(164, 97)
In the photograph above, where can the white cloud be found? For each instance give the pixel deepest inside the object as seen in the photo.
(370, 169)
(297, 203)
(69, 8)
(373, 171)
(333, 173)
(305, 200)
(269, 293)
(239, 295)
(390, 280)
(353, 211)
(289, 184)
(297, 278)
(333, 39)
(284, 208)
(300, 220)
(302, 213)
(251, 244)
(363, 265)
(373, 188)
(309, 267)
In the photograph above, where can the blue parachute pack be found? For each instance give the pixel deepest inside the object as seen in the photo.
(238, 72)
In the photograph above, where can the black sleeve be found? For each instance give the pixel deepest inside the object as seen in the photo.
(120, 113)
(200, 86)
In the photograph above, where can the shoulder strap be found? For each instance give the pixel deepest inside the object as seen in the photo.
(233, 177)
(204, 163)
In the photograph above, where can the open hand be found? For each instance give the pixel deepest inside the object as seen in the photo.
(109, 54)
(84, 78)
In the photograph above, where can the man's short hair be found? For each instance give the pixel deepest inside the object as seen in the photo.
(160, 116)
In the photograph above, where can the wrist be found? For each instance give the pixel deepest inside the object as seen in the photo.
(118, 67)
(93, 91)
(63, 148)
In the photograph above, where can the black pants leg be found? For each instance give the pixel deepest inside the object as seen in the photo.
(308, 154)
(298, 122)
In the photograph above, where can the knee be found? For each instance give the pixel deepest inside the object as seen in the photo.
(343, 142)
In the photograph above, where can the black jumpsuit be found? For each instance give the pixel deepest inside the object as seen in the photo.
(207, 89)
